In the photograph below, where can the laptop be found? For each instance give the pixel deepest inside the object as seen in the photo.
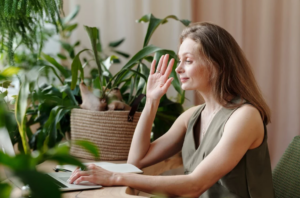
(59, 178)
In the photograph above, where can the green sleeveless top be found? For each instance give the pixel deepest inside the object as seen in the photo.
(252, 176)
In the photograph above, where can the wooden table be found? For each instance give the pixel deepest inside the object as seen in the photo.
(113, 192)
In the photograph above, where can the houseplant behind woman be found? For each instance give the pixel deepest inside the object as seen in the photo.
(223, 142)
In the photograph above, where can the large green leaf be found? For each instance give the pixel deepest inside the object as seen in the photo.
(94, 36)
(142, 85)
(18, 162)
(65, 159)
(146, 51)
(34, 179)
(155, 22)
(5, 190)
(58, 66)
(20, 113)
(75, 67)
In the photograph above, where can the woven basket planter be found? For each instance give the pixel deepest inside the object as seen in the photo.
(109, 130)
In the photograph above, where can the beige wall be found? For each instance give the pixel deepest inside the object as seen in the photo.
(269, 33)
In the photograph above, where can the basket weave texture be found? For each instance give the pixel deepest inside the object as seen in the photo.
(109, 130)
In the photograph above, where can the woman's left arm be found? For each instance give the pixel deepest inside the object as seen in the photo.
(243, 131)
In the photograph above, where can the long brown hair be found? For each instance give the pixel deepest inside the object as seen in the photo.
(231, 72)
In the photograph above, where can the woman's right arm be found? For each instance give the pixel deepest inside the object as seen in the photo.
(142, 152)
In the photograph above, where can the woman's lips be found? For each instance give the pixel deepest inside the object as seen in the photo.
(183, 79)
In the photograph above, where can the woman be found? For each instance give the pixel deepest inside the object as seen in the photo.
(223, 142)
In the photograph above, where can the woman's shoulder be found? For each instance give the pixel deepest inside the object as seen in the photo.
(247, 120)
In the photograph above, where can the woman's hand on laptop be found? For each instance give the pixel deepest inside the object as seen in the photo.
(93, 174)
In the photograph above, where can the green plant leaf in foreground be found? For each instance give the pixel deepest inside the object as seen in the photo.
(5, 190)
(34, 178)
(90, 147)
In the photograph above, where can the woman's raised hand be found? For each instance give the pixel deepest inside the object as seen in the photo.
(159, 81)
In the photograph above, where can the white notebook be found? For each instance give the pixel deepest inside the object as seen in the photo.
(119, 168)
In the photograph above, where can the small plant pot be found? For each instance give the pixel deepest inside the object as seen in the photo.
(109, 130)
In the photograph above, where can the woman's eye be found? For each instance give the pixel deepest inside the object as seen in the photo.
(188, 61)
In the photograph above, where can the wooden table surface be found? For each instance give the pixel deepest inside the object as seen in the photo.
(113, 192)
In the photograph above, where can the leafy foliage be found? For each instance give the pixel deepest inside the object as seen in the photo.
(132, 78)
(23, 18)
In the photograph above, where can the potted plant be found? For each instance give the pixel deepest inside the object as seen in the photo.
(110, 130)
(24, 19)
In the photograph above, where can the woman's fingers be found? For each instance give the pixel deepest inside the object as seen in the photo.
(89, 178)
(152, 68)
(76, 174)
(166, 86)
(158, 69)
(164, 64)
(170, 67)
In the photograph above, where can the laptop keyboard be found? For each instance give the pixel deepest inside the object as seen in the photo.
(57, 183)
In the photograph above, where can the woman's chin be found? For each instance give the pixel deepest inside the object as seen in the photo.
(185, 88)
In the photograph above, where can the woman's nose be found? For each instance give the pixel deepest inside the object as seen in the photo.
(178, 69)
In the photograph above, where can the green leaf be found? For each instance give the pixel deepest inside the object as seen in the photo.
(155, 22)
(69, 48)
(90, 147)
(10, 71)
(166, 115)
(116, 43)
(121, 53)
(94, 36)
(34, 178)
(75, 67)
(65, 159)
(70, 28)
(20, 113)
(77, 44)
(72, 15)
(5, 190)
(58, 66)
(61, 56)
(149, 59)
(66, 89)
(146, 51)
(54, 71)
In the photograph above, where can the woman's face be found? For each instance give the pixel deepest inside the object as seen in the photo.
(192, 67)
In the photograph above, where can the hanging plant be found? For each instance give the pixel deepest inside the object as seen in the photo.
(23, 18)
